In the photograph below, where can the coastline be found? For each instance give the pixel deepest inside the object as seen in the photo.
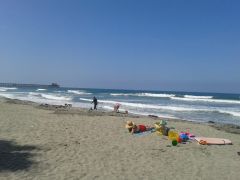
(201, 107)
(227, 127)
(61, 143)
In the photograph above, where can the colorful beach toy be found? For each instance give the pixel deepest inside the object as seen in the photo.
(173, 135)
(174, 142)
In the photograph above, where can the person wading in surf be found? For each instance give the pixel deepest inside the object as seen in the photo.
(95, 102)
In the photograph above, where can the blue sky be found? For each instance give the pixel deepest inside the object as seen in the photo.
(182, 45)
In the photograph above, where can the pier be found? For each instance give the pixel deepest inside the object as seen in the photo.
(53, 85)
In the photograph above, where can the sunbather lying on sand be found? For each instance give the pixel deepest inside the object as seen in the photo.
(133, 128)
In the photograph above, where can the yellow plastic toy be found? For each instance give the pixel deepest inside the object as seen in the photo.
(173, 135)
(159, 129)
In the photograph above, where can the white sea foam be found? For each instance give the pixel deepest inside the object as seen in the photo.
(10, 96)
(39, 99)
(143, 106)
(12, 88)
(233, 113)
(83, 99)
(59, 91)
(78, 92)
(141, 113)
(169, 108)
(149, 106)
(143, 95)
(198, 97)
(121, 94)
(2, 89)
(41, 90)
(111, 108)
(55, 97)
(207, 100)
(156, 95)
(34, 94)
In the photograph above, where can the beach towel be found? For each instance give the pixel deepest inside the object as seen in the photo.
(144, 133)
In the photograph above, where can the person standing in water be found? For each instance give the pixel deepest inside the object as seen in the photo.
(95, 102)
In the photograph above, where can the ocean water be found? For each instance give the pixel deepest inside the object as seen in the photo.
(193, 106)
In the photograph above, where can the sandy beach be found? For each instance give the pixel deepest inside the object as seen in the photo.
(45, 143)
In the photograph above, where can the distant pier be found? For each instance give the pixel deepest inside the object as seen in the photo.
(53, 85)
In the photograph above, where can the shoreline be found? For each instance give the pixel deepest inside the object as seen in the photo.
(227, 127)
(195, 107)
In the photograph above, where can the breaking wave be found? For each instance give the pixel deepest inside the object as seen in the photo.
(78, 92)
(50, 96)
(41, 90)
(144, 95)
(141, 113)
(3, 89)
(198, 97)
(170, 108)
(10, 96)
(156, 95)
(207, 100)
(233, 113)
(83, 99)
(121, 94)
(34, 94)
(53, 97)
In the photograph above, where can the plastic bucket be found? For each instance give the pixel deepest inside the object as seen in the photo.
(173, 135)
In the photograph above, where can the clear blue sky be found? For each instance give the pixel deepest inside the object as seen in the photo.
(188, 45)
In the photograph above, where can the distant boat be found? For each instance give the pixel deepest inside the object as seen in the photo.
(53, 85)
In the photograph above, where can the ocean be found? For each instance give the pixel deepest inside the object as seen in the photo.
(192, 106)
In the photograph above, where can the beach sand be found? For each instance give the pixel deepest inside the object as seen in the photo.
(45, 143)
